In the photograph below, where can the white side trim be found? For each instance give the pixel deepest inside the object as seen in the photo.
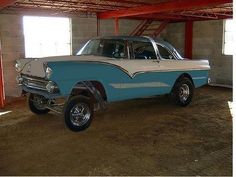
(199, 77)
(130, 67)
(138, 85)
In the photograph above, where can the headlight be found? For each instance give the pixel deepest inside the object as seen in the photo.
(19, 80)
(48, 72)
(18, 66)
(52, 87)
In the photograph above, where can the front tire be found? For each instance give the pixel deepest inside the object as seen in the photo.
(78, 113)
(37, 104)
(183, 91)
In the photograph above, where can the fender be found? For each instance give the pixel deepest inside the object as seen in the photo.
(88, 89)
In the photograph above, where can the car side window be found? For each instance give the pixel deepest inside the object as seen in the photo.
(143, 50)
(106, 47)
(165, 54)
(112, 48)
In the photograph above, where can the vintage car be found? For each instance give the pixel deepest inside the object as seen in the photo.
(108, 69)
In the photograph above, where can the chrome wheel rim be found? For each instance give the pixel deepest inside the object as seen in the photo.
(80, 114)
(38, 102)
(184, 92)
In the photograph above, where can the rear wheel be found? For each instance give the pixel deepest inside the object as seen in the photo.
(78, 113)
(183, 91)
(37, 104)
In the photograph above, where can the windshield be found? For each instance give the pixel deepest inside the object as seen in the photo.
(105, 47)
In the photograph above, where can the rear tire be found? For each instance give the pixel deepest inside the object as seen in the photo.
(37, 104)
(183, 91)
(78, 113)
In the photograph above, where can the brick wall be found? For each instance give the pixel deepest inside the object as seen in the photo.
(12, 44)
(207, 43)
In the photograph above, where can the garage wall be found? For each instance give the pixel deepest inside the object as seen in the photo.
(12, 42)
(125, 27)
(207, 43)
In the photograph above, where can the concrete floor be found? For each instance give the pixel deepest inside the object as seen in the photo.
(140, 137)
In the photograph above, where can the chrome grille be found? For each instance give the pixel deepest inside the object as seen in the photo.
(34, 83)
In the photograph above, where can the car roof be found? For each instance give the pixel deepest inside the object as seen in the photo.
(139, 38)
(136, 38)
(129, 38)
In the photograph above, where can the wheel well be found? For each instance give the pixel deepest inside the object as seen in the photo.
(184, 75)
(80, 89)
(98, 85)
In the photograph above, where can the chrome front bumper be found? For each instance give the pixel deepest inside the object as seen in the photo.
(38, 86)
(32, 82)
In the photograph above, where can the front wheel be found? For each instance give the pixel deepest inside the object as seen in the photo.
(37, 104)
(183, 91)
(78, 113)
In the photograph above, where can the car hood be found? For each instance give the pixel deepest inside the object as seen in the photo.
(36, 66)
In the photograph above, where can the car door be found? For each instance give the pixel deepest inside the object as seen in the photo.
(142, 71)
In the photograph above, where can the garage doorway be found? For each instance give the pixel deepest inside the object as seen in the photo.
(46, 36)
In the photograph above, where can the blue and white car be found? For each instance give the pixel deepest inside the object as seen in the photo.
(108, 69)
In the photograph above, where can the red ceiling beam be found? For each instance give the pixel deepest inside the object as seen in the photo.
(176, 19)
(5, 3)
(91, 6)
(161, 16)
(162, 7)
(128, 2)
(100, 2)
(52, 8)
(49, 11)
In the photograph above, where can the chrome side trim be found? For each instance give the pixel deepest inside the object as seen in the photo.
(139, 85)
(141, 72)
(199, 77)
(170, 70)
